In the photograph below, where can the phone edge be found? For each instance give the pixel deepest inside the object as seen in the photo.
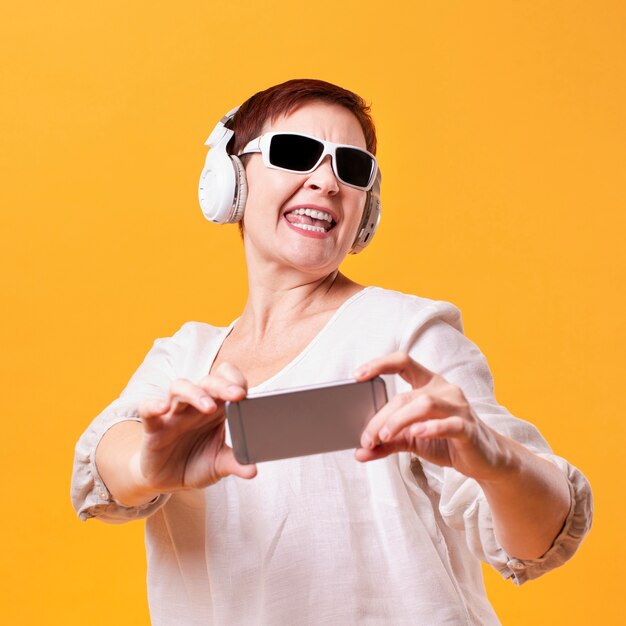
(237, 434)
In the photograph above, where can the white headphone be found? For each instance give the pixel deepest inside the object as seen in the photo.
(223, 188)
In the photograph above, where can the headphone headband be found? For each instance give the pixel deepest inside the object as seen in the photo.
(221, 131)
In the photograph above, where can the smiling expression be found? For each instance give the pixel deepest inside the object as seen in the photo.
(306, 222)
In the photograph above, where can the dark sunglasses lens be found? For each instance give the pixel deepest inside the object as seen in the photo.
(354, 167)
(293, 152)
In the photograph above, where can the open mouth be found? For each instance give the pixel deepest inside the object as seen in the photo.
(313, 220)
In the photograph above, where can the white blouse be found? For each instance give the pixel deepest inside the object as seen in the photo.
(324, 539)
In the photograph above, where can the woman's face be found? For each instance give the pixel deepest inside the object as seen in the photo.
(277, 199)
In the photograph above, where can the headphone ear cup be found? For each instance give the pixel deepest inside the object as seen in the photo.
(223, 189)
(241, 190)
(371, 218)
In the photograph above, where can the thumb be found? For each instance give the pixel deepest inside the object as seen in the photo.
(226, 464)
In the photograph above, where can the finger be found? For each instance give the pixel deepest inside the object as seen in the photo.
(379, 452)
(395, 363)
(400, 411)
(420, 408)
(453, 427)
(223, 389)
(370, 436)
(152, 411)
(226, 464)
(233, 374)
(184, 393)
(153, 407)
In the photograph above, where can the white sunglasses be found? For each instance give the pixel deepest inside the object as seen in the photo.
(302, 154)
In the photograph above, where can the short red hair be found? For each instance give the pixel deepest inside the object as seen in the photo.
(284, 98)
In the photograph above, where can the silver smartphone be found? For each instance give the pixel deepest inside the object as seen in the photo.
(305, 420)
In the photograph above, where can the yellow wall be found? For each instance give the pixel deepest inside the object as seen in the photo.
(502, 142)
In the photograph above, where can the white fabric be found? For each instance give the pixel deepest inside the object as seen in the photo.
(325, 539)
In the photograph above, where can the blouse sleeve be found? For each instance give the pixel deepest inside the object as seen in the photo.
(442, 348)
(90, 496)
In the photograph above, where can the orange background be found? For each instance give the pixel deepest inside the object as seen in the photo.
(502, 143)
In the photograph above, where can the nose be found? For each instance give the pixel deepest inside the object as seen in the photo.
(323, 179)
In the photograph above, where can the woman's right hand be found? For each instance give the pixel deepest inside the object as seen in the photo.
(183, 444)
(179, 443)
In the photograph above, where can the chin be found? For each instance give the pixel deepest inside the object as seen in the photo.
(312, 262)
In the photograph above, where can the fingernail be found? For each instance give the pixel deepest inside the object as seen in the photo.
(361, 371)
(384, 434)
(366, 442)
(206, 403)
(234, 389)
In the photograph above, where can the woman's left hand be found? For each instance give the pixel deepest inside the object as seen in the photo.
(434, 420)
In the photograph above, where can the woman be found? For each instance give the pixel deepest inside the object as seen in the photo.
(389, 534)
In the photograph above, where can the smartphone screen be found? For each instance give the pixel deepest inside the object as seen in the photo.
(307, 420)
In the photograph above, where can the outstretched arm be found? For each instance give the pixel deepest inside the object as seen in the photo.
(528, 496)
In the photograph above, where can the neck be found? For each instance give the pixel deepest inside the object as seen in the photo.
(278, 299)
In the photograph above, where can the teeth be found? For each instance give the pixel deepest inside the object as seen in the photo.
(316, 229)
(316, 215)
